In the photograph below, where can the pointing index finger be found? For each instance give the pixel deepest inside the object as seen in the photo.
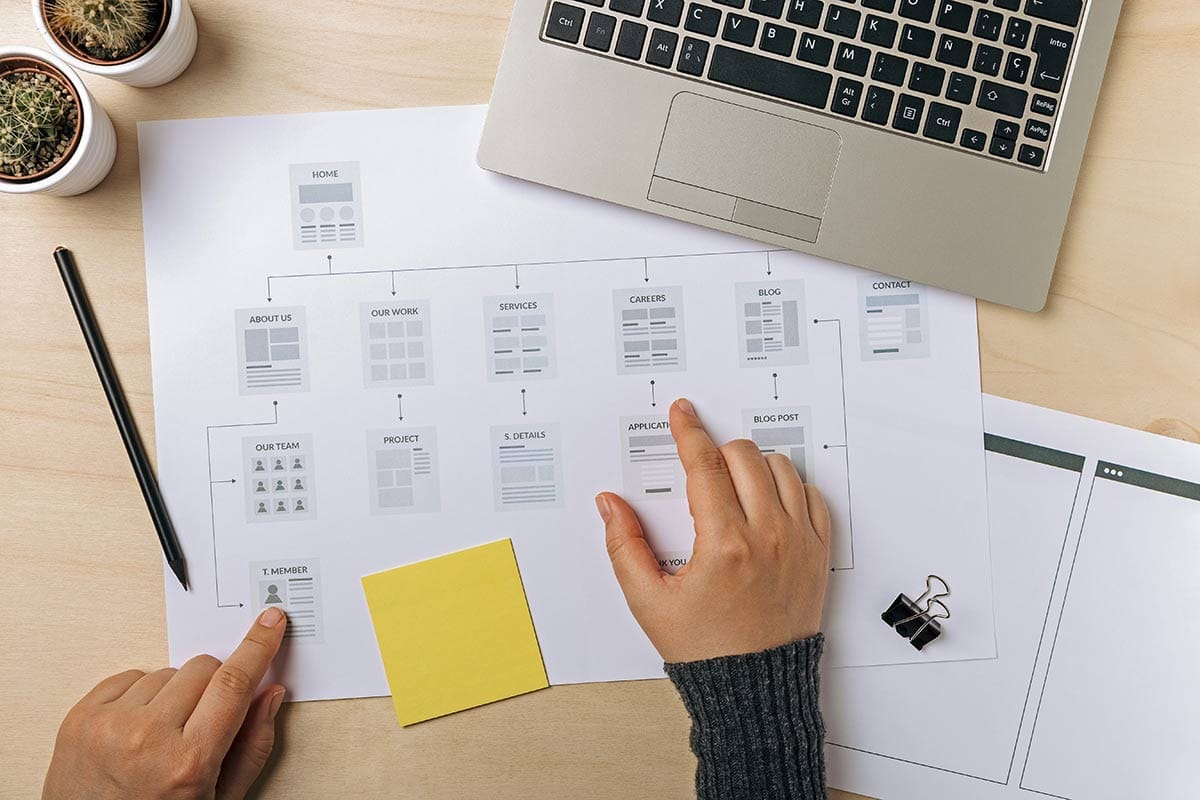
(710, 492)
(223, 706)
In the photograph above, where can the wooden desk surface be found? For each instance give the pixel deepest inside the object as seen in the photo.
(81, 590)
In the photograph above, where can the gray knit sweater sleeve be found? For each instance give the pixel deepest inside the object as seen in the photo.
(756, 726)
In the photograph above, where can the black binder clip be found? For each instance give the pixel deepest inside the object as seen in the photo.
(917, 620)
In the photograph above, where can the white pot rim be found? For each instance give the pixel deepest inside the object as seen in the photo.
(87, 116)
(175, 9)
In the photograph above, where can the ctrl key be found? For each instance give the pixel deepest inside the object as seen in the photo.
(564, 23)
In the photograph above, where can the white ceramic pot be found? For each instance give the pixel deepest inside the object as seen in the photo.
(162, 63)
(95, 151)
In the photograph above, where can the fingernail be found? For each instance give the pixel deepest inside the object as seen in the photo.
(276, 702)
(270, 617)
(603, 507)
(686, 406)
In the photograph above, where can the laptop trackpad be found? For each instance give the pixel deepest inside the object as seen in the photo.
(747, 166)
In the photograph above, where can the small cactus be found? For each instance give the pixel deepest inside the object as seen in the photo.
(106, 29)
(37, 121)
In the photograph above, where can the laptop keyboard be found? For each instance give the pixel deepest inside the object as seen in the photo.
(985, 76)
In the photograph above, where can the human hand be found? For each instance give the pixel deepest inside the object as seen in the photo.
(195, 732)
(756, 579)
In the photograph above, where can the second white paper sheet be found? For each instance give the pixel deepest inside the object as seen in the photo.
(1096, 547)
(367, 351)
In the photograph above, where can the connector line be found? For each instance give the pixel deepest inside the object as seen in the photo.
(653, 396)
(517, 275)
(393, 284)
(775, 381)
(212, 512)
(769, 262)
(524, 408)
(400, 405)
(645, 262)
(844, 446)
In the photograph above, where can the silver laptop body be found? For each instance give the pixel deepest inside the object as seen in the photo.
(934, 140)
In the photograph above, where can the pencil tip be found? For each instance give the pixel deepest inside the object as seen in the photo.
(180, 570)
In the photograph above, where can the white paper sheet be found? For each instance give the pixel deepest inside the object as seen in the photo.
(367, 351)
(1096, 548)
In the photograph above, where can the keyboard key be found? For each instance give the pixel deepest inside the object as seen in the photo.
(988, 24)
(954, 15)
(1006, 130)
(961, 88)
(942, 122)
(880, 5)
(973, 140)
(1037, 129)
(634, 7)
(805, 12)
(1017, 68)
(733, 3)
(1053, 50)
(768, 8)
(1002, 99)
(1064, 12)
(908, 114)
(740, 30)
(987, 59)
(600, 30)
(665, 12)
(597, 3)
(702, 19)
(842, 21)
(630, 39)
(878, 106)
(1046, 106)
(815, 49)
(778, 39)
(1002, 147)
(564, 23)
(927, 79)
(780, 79)
(662, 48)
(692, 56)
(853, 59)
(846, 97)
(921, 10)
(889, 69)
(954, 51)
(1033, 156)
(1017, 32)
(916, 41)
(880, 31)
(1011, 5)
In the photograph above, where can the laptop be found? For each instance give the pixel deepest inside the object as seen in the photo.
(934, 140)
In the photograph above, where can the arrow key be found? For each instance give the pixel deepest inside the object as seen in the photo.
(1007, 130)
(1002, 147)
(1033, 156)
(973, 140)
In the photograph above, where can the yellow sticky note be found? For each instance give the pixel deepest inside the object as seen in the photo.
(455, 632)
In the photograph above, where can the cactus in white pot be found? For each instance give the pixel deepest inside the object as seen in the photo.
(54, 137)
(138, 42)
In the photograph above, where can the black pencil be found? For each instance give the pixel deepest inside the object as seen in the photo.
(120, 411)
